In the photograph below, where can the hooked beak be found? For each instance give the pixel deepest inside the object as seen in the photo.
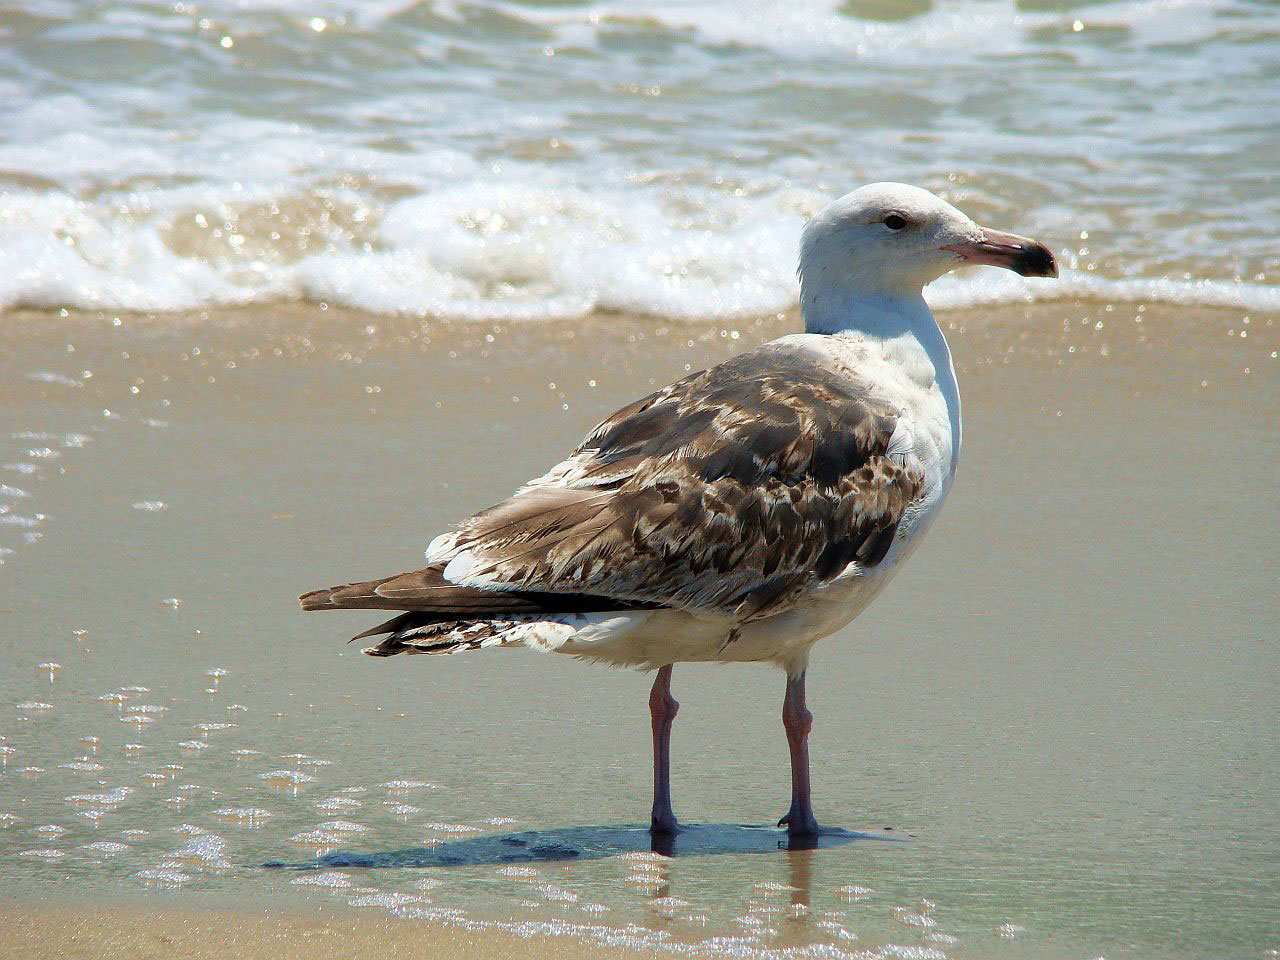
(1024, 257)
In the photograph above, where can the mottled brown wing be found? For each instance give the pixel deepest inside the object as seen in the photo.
(733, 490)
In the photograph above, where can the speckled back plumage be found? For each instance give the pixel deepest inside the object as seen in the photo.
(727, 491)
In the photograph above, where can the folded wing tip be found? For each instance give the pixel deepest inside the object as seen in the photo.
(316, 599)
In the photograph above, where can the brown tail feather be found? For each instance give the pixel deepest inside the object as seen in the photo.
(338, 598)
(444, 617)
(428, 592)
(443, 637)
(406, 621)
(350, 596)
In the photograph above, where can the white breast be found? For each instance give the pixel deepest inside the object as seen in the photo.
(915, 376)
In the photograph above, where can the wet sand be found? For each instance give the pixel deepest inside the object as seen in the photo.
(1065, 703)
(273, 934)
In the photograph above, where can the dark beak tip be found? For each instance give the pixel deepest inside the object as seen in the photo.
(1036, 261)
(1025, 257)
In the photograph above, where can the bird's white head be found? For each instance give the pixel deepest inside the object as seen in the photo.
(887, 240)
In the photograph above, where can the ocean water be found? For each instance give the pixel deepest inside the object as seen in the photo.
(498, 159)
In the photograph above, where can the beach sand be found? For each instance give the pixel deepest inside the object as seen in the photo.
(1066, 701)
(272, 934)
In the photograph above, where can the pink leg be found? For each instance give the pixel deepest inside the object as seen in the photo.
(662, 711)
(798, 721)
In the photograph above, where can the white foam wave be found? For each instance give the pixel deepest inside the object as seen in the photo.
(476, 250)
(787, 27)
(797, 27)
(993, 287)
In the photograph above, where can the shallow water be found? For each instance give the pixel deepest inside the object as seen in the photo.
(507, 158)
(1064, 708)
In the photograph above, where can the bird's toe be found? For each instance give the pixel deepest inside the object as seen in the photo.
(664, 825)
(800, 824)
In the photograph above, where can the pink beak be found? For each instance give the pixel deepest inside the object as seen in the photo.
(1024, 257)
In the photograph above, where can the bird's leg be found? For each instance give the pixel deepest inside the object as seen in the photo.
(662, 711)
(798, 721)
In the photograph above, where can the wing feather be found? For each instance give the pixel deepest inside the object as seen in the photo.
(732, 491)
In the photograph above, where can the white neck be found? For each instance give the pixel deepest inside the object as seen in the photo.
(902, 323)
(837, 309)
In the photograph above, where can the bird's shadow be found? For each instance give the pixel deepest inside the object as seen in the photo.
(590, 843)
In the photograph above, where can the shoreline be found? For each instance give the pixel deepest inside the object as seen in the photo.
(232, 314)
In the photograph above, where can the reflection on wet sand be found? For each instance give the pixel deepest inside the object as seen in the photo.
(588, 843)
(648, 856)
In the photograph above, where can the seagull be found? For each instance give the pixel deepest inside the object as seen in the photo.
(742, 513)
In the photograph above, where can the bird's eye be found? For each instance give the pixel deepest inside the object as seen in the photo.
(895, 221)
